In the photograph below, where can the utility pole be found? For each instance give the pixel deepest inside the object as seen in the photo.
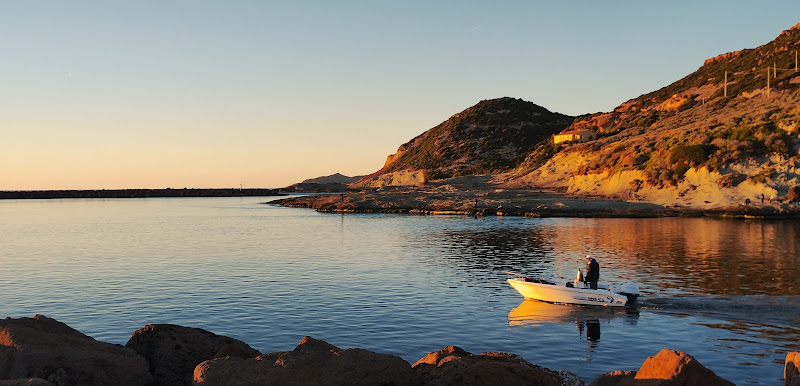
(795, 61)
(774, 70)
(767, 82)
(725, 86)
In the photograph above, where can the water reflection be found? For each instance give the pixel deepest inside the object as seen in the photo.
(409, 284)
(695, 256)
(497, 248)
(535, 313)
(670, 256)
(592, 331)
(587, 319)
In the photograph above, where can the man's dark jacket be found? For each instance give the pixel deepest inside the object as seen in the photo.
(592, 271)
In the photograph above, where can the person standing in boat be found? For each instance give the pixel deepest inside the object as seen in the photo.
(592, 271)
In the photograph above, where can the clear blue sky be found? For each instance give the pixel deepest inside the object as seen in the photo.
(154, 94)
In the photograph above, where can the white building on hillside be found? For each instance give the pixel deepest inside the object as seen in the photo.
(582, 135)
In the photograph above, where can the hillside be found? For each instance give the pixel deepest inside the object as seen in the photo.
(493, 136)
(717, 137)
(336, 178)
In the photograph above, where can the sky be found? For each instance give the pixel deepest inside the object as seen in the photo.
(264, 94)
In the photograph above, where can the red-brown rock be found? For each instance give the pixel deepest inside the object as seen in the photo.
(667, 368)
(615, 378)
(174, 351)
(454, 366)
(793, 194)
(791, 369)
(45, 348)
(678, 368)
(312, 362)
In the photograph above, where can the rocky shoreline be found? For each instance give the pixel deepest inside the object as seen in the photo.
(447, 199)
(44, 351)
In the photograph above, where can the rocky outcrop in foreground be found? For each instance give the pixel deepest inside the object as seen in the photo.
(668, 367)
(454, 366)
(45, 348)
(791, 369)
(44, 351)
(312, 362)
(174, 351)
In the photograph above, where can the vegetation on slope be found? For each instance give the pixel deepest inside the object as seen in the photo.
(705, 119)
(493, 136)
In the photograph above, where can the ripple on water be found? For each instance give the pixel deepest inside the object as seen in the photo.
(406, 285)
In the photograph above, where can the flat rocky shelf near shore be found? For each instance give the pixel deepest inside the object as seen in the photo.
(445, 199)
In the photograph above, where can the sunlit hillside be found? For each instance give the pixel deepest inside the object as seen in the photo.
(716, 137)
(724, 134)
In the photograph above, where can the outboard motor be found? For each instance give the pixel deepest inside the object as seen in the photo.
(578, 280)
(631, 291)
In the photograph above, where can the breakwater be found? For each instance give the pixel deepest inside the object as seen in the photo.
(136, 193)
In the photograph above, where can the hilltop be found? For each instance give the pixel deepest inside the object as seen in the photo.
(335, 178)
(493, 136)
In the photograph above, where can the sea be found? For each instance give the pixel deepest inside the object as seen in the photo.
(727, 292)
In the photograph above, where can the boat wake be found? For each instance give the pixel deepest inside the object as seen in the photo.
(749, 308)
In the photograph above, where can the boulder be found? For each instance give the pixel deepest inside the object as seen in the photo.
(678, 368)
(41, 347)
(667, 368)
(615, 378)
(793, 194)
(174, 351)
(312, 362)
(791, 372)
(454, 366)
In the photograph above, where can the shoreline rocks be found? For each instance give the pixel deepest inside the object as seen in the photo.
(312, 362)
(41, 347)
(791, 369)
(483, 202)
(44, 351)
(173, 351)
(668, 367)
(454, 366)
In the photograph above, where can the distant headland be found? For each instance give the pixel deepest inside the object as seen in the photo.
(723, 140)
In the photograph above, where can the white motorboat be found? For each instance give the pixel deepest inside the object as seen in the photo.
(574, 292)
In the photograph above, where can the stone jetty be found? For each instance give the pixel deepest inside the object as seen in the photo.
(44, 351)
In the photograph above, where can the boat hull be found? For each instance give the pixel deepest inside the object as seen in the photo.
(554, 293)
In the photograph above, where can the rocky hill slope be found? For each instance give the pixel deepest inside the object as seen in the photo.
(723, 134)
(493, 136)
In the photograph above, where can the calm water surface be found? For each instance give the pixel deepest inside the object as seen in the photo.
(726, 292)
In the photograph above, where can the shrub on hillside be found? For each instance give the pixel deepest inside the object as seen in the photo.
(741, 133)
(688, 154)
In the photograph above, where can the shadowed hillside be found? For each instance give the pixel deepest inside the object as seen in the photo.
(493, 136)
